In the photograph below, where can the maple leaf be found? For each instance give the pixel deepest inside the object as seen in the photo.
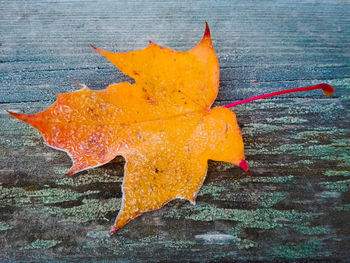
(163, 125)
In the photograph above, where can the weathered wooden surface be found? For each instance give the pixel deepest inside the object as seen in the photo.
(297, 205)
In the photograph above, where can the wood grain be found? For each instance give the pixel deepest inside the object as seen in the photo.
(295, 207)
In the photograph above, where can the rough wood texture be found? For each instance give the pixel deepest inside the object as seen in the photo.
(297, 205)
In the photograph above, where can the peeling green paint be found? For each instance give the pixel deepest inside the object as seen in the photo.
(54, 195)
(22, 196)
(286, 120)
(246, 244)
(178, 244)
(319, 132)
(5, 226)
(257, 147)
(98, 234)
(253, 164)
(14, 196)
(346, 207)
(40, 243)
(344, 162)
(303, 162)
(60, 171)
(304, 109)
(225, 256)
(328, 152)
(253, 129)
(258, 218)
(91, 209)
(279, 164)
(315, 230)
(337, 173)
(338, 186)
(120, 245)
(89, 178)
(212, 190)
(270, 199)
(242, 243)
(297, 250)
(338, 82)
(276, 180)
(218, 192)
(341, 142)
(289, 148)
(329, 194)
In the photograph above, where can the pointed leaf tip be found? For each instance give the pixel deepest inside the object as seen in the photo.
(70, 173)
(151, 43)
(97, 49)
(32, 119)
(243, 164)
(74, 169)
(78, 83)
(207, 31)
(19, 116)
(113, 230)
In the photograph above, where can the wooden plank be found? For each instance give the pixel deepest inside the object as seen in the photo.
(296, 206)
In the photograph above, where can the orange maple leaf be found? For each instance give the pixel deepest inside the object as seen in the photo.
(163, 125)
